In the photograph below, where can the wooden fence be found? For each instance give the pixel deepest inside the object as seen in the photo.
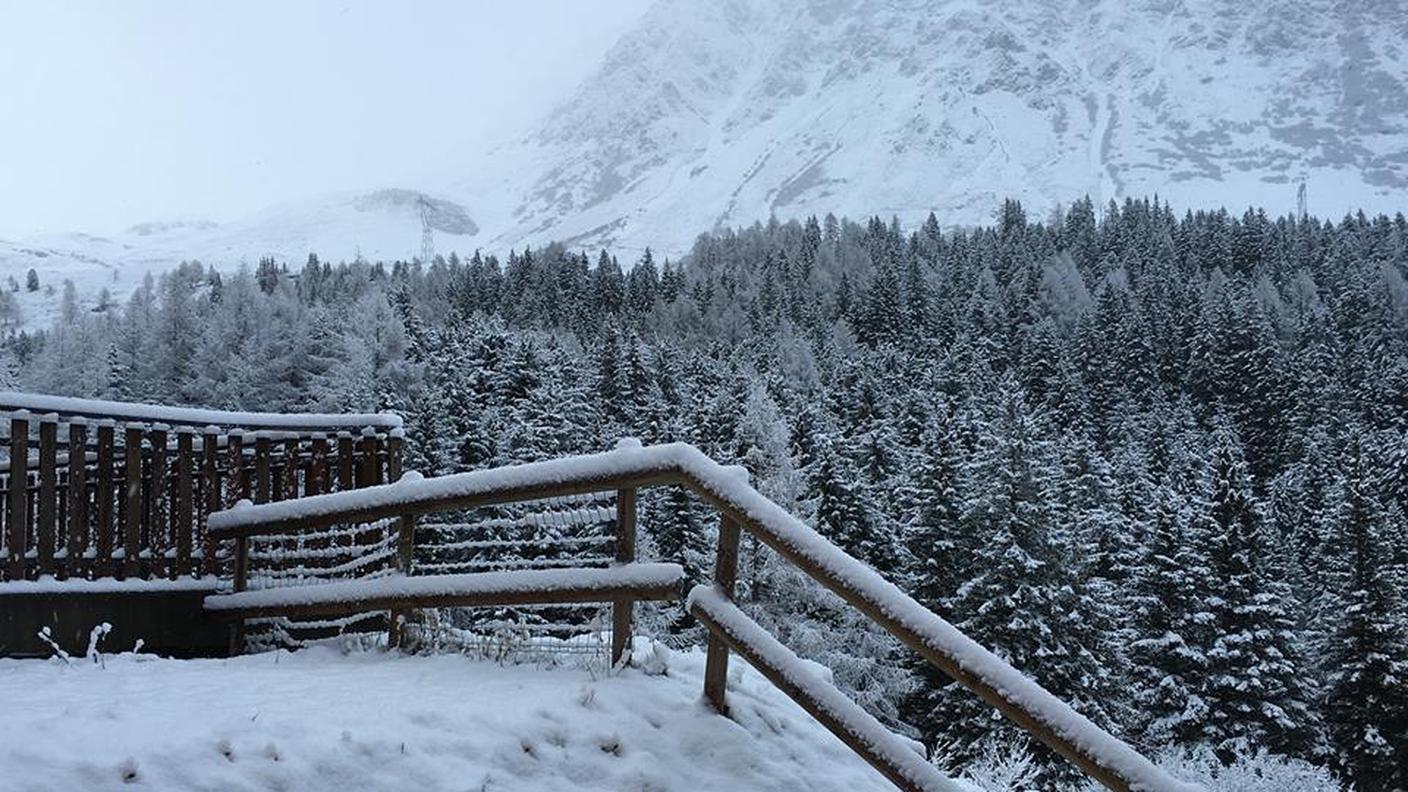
(1101, 756)
(94, 489)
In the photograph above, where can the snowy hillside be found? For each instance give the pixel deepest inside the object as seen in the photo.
(725, 113)
(319, 720)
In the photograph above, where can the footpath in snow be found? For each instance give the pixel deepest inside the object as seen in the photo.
(320, 719)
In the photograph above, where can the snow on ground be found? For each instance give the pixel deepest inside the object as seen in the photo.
(322, 719)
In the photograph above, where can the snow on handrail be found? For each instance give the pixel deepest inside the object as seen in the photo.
(67, 406)
(1019, 697)
(795, 677)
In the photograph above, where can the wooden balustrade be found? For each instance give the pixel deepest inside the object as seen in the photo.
(107, 489)
(1099, 755)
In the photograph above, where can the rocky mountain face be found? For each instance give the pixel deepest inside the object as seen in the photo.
(725, 113)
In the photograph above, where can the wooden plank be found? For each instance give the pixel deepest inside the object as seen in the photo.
(345, 461)
(239, 581)
(17, 503)
(395, 449)
(77, 544)
(293, 463)
(563, 595)
(316, 482)
(832, 710)
(104, 507)
(369, 465)
(237, 482)
(158, 506)
(622, 609)
(46, 523)
(132, 500)
(263, 486)
(183, 520)
(420, 504)
(211, 479)
(725, 577)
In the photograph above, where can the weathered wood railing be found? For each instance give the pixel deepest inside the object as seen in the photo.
(96, 489)
(1100, 755)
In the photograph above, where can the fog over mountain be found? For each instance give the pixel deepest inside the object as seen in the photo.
(719, 114)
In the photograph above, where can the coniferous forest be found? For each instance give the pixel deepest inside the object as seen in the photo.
(1157, 461)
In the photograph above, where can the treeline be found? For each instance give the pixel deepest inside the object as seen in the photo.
(1158, 462)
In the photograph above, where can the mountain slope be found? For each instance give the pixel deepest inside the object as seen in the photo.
(721, 115)
(717, 114)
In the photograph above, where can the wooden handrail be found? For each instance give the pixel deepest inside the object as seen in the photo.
(1098, 754)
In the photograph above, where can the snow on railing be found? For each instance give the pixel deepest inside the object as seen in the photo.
(1099, 754)
(67, 406)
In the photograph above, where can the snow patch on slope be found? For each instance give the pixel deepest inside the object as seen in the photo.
(321, 720)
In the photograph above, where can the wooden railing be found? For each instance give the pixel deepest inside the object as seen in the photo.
(1098, 754)
(94, 489)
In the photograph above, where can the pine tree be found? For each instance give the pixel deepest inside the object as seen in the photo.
(1256, 692)
(1366, 708)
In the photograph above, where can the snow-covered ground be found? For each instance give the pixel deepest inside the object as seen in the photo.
(322, 719)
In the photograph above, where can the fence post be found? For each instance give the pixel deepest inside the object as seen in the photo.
(369, 472)
(48, 492)
(240, 583)
(158, 509)
(184, 521)
(103, 500)
(405, 538)
(210, 465)
(345, 467)
(238, 488)
(623, 608)
(132, 500)
(725, 575)
(17, 516)
(263, 486)
(77, 545)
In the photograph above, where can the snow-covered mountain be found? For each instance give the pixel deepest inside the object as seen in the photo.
(724, 113)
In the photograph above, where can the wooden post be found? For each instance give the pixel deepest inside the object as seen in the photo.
(103, 500)
(210, 465)
(17, 507)
(395, 444)
(159, 514)
(132, 500)
(292, 464)
(45, 527)
(316, 482)
(369, 472)
(262, 482)
(240, 583)
(77, 545)
(405, 539)
(238, 486)
(184, 520)
(725, 576)
(345, 452)
(622, 609)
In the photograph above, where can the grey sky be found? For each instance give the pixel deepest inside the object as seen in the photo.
(113, 113)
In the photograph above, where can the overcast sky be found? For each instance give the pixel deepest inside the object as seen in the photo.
(112, 113)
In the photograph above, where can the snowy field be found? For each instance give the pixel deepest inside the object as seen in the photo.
(322, 719)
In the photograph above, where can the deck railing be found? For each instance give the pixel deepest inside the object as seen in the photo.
(94, 489)
(624, 471)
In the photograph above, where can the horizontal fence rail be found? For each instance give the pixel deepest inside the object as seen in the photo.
(99, 489)
(1098, 754)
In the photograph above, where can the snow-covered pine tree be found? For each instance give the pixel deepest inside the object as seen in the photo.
(1366, 705)
(1256, 688)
